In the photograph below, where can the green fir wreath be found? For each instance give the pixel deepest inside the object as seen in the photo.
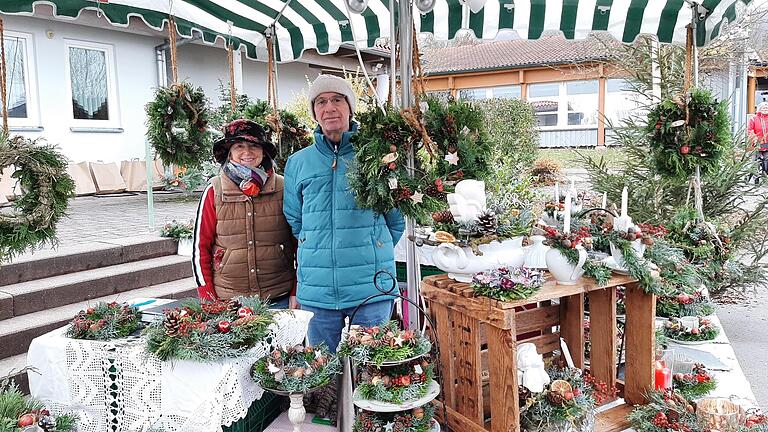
(450, 145)
(42, 174)
(677, 145)
(177, 125)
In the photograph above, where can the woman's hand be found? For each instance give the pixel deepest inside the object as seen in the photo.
(293, 303)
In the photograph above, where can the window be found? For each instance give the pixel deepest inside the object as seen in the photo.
(92, 84)
(20, 91)
(503, 92)
(473, 94)
(572, 103)
(621, 101)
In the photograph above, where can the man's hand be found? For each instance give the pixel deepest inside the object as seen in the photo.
(293, 303)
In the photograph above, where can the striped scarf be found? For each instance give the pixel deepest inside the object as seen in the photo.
(250, 180)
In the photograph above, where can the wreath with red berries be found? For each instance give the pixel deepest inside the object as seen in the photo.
(385, 343)
(706, 331)
(396, 384)
(696, 383)
(688, 131)
(684, 304)
(450, 144)
(209, 331)
(666, 411)
(105, 321)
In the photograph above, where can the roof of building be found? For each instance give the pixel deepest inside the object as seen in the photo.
(549, 50)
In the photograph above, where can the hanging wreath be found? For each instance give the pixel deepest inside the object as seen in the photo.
(680, 141)
(450, 143)
(177, 125)
(41, 172)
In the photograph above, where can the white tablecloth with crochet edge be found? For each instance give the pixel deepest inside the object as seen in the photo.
(118, 387)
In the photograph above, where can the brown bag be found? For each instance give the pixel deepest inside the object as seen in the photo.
(8, 186)
(107, 177)
(134, 174)
(81, 174)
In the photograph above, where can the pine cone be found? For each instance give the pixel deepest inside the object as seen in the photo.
(172, 323)
(555, 398)
(244, 320)
(48, 423)
(233, 305)
(444, 216)
(487, 222)
(433, 191)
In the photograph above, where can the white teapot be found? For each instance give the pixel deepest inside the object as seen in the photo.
(468, 202)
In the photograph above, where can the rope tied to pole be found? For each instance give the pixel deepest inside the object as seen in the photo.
(232, 89)
(274, 118)
(172, 43)
(414, 115)
(3, 77)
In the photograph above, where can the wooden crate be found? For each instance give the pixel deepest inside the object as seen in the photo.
(472, 328)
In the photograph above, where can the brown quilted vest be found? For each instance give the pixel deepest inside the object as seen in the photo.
(256, 240)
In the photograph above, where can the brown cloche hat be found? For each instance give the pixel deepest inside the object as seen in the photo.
(242, 130)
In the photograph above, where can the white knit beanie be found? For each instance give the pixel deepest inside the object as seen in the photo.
(331, 83)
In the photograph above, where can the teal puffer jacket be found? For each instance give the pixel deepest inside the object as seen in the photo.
(341, 246)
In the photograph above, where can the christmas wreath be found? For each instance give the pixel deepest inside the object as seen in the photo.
(666, 410)
(451, 144)
(683, 304)
(41, 172)
(688, 131)
(705, 331)
(297, 369)
(566, 244)
(177, 125)
(384, 343)
(507, 284)
(105, 321)
(419, 419)
(209, 331)
(694, 384)
(396, 384)
(19, 413)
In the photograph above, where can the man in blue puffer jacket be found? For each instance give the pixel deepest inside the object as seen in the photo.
(341, 246)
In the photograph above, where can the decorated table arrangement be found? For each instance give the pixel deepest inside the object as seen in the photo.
(20, 413)
(105, 321)
(294, 371)
(567, 259)
(383, 345)
(419, 419)
(694, 384)
(506, 284)
(209, 331)
(690, 330)
(684, 304)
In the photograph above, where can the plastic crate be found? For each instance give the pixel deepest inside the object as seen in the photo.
(260, 414)
(426, 270)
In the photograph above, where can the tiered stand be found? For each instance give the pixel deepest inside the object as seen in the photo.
(478, 337)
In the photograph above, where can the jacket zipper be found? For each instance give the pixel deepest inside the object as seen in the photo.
(333, 222)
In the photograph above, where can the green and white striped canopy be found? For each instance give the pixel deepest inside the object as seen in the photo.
(324, 25)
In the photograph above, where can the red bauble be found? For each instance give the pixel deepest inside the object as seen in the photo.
(224, 326)
(392, 166)
(89, 311)
(244, 311)
(27, 420)
(685, 150)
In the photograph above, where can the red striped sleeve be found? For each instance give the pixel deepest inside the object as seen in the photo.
(202, 248)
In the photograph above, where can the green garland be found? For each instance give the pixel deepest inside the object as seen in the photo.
(637, 268)
(396, 384)
(678, 147)
(41, 172)
(682, 304)
(296, 369)
(209, 331)
(384, 343)
(177, 121)
(665, 411)
(379, 176)
(593, 269)
(416, 420)
(18, 411)
(105, 321)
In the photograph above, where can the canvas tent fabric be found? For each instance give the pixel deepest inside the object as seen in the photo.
(324, 25)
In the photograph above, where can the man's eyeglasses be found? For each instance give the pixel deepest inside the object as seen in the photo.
(334, 100)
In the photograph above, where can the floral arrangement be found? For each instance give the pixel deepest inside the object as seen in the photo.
(396, 384)
(552, 208)
(178, 230)
(508, 284)
(566, 244)
(667, 410)
(706, 331)
(683, 304)
(497, 224)
(416, 420)
(385, 343)
(695, 384)
(209, 331)
(19, 413)
(571, 397)
(105, 321)
(297, 369)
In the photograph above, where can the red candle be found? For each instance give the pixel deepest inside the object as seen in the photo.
(662, 376)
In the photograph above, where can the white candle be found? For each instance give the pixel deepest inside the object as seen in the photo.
(624, 198)
(605, 200)
(567, 213)
(557, 193)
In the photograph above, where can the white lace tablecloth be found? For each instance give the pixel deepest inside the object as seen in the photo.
(117, 386)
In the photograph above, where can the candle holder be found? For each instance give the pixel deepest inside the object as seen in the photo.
(689, 322)
(717, 415)
(665, 360)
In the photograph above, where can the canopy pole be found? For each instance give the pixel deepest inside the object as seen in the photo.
(3, 78)
(150, 184)
(232, 89)
(272, 87)
(172, 46)
(392, 55)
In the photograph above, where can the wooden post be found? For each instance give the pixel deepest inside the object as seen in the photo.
(3, 78)
(751, 89)
(572, 326)
(602, 88)
(602, 334)
(445, 332)
(469, 391)
(641, 336)
(502, 364)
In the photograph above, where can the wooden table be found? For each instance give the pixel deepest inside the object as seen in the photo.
(474, 331)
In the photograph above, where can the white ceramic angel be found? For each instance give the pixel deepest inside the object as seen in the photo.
(468, 202)
(530, 368)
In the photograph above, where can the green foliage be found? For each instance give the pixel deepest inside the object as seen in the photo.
(14, 404)
(177, 125)
(706, 331)
(296, 369)
(105, 321)
(372, 386)
(374, 345)
(665, 411)
(41, 173)
(513, 135)
(178, 230)
(694, 384)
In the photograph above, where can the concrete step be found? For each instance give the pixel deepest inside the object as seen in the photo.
(16, 333)
(47, 263)
(25, 298)
(12, 368)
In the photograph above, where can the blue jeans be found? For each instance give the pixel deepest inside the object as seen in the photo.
(326, 324)
(280, 303)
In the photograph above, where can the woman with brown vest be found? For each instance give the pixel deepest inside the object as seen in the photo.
(242, 244)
